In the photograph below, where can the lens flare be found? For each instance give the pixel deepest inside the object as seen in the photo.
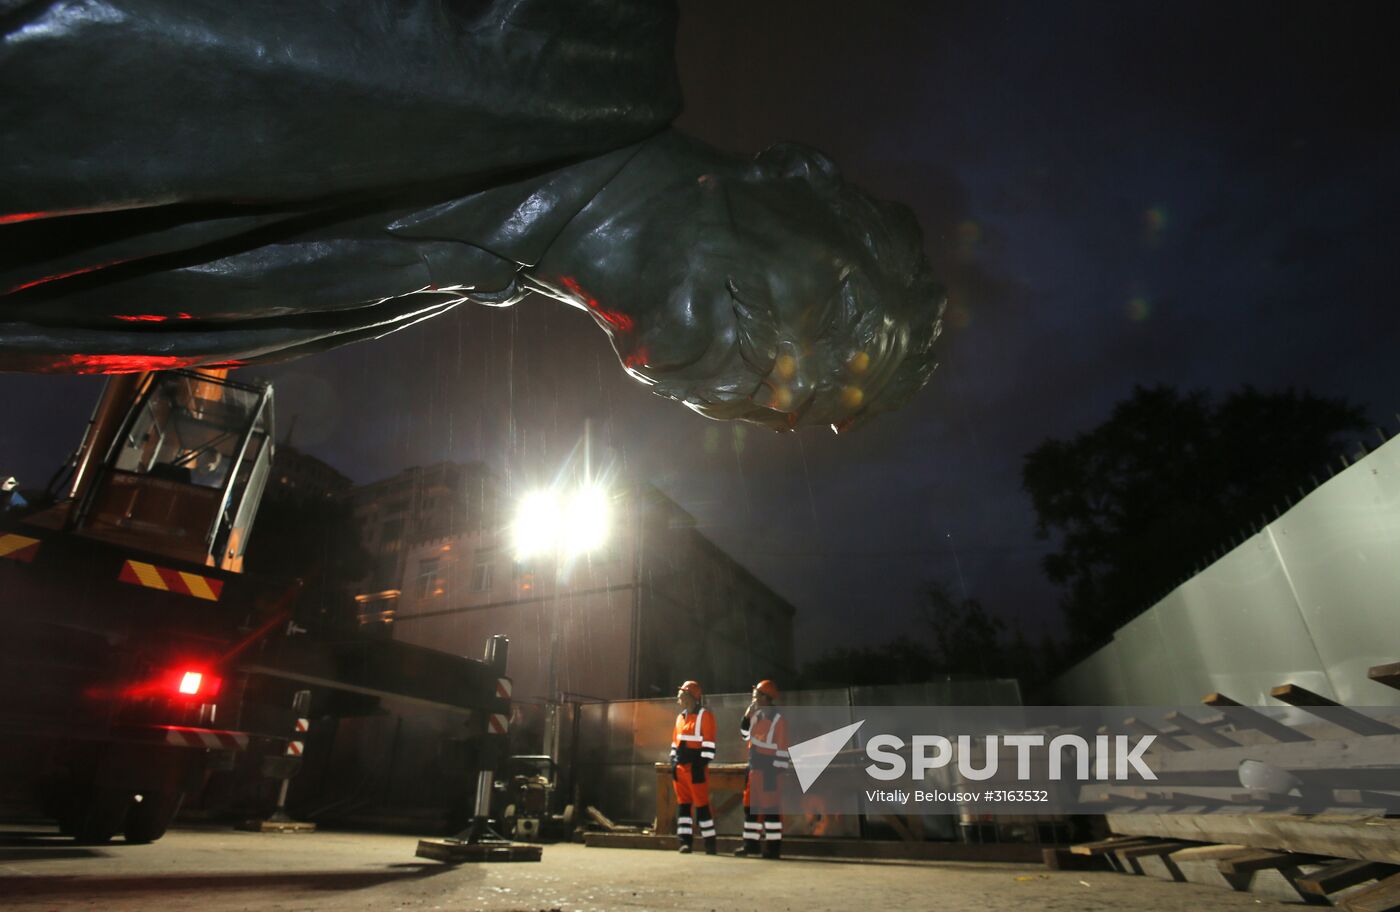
(536, 528)
(586, 521)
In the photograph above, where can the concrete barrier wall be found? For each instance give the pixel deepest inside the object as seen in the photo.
(1313, 599)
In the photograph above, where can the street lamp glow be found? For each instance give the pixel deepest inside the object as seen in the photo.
(573, 525)
(586, 520)
(536, 524)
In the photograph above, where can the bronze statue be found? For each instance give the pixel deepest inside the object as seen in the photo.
(193, 182)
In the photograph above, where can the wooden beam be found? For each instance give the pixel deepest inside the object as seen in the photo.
(1251, 860)
(1200, 866)
(1341, 875)
(1163, 740)
(1389, 675)
(1127, 857)
(1361, 755)
(1383, 897)
(1337, 714)
(1160, 847)
(1104, 846)
(1207, 852)
(1062, 859)
(1201, 730)
(1333, 836)
(1256, 720)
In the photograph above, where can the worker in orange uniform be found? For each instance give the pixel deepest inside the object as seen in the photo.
(692, 749)
(763, 727)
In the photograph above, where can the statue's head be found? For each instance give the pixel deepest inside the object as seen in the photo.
(779, 295)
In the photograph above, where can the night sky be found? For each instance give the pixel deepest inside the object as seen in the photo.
(1116, 194)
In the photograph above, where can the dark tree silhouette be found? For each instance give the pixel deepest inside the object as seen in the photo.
(901, 661)
(1143, 499)
(961, 639)
(966, 640)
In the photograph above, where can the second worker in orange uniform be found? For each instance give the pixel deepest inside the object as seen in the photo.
(763, 727)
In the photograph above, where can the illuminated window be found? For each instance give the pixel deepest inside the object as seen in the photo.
(524, 578)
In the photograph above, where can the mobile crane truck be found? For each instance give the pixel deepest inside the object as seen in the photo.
(129, 633)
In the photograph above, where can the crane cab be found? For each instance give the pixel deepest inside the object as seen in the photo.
(174, 464)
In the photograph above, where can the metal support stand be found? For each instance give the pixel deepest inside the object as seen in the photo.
(284, 768)
(479, 841)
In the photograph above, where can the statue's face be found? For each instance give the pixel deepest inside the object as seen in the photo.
(770, 314)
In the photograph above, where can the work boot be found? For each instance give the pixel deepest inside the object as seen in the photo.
(685, 848)
(772, 848)
(711, 845)
(750, 849)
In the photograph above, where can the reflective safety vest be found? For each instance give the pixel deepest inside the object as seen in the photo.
(694, 737)
(767, 735)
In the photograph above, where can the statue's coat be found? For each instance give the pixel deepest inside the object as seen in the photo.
(198, 181)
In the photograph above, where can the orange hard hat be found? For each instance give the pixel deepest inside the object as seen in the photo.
(692, 688)
(767, 688)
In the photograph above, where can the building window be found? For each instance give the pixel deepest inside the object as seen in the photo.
(524, 578)
(428, 583)
(481, 576)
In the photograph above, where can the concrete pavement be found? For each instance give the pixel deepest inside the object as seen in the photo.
(216, 870)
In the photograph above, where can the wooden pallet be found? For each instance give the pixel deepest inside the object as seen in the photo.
(458, 852)
(1381, 897)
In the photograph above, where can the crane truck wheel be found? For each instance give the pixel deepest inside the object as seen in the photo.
(93, 816)
(148, 819)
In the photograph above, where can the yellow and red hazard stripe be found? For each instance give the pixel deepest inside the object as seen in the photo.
(139, 573)
(205, 737)
(18, 547)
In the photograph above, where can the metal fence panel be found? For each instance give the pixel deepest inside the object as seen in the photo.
(1312, 599)
(1097, 680)
(1343, 555)
(1144, 665)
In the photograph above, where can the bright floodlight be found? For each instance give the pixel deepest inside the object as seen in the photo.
(586, 520)
(536, 524)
